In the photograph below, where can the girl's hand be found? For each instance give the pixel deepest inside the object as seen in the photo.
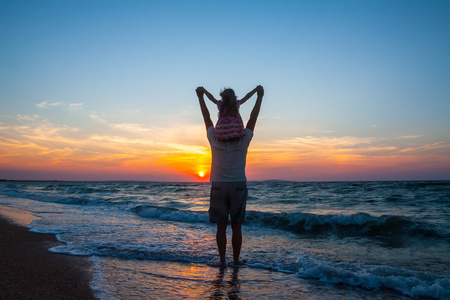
(260, 90)
(200, 91)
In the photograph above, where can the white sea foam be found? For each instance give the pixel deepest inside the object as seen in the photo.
(99, 284)
(406, 282)
(172, 214)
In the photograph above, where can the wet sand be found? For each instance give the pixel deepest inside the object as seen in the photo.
(29, 271)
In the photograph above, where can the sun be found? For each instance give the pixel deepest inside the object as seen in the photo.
(201, 174)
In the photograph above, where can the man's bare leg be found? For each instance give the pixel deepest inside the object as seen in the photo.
(236, 241)
(221, 239)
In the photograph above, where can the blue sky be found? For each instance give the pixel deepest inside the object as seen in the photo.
(369, 79)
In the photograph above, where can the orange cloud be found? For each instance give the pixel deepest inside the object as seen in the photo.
(334, 158)
(37, 144)
(134, 151)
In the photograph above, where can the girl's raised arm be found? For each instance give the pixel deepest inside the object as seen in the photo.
(210, 97)
(249, 95)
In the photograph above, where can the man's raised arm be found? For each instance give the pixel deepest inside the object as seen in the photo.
(255, 111)
(205, 112)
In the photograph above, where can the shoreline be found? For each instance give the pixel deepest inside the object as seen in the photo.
(29, 271)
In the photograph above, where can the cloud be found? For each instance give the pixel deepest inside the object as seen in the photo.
(318, 131)
(46, 104)
(75, 106)
(42, 104)
(371, 152)
(182, 148)
(427, 148)
(129, 127)
(27, 117)
(409, 137)
(41, 144)
(173, 131)
(70, 106)
(95, 116)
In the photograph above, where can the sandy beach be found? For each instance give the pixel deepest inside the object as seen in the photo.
(29, 271)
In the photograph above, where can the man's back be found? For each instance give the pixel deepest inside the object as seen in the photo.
(228, 158)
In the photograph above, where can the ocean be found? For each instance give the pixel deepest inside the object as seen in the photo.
(308, 240)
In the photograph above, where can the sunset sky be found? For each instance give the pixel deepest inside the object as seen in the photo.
(105, 90)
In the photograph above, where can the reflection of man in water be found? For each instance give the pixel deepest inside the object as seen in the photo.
(229, 188)
(230, 288)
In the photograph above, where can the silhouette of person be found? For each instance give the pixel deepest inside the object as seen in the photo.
(229, 125)
(228, 181)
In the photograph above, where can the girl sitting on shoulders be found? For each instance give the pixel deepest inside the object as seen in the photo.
(229, 125)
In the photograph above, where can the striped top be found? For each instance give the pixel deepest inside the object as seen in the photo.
(229, 127)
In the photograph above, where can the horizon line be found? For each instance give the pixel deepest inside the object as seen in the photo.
(266, 180)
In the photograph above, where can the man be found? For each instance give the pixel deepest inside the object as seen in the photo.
(229, 183)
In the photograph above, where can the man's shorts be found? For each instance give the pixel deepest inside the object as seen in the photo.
(228, 198)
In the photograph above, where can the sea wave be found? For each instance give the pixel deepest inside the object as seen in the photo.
(359, 223)
(170, 214)
(411, 283)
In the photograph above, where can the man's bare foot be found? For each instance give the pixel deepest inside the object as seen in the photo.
(223, 264)
(220, 264)
(239, 262)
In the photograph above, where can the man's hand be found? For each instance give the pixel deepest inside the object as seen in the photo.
(200, 91)
(260, 90)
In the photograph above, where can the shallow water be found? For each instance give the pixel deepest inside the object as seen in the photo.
(344, 239)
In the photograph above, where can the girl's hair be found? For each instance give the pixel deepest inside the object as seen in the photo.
(228, 107)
